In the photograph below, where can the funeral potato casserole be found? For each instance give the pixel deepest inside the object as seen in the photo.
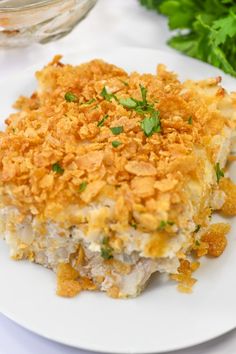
(107, 177)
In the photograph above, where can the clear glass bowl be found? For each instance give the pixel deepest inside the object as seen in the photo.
(23, 22)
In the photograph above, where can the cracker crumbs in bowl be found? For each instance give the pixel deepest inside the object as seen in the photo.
(108, 177)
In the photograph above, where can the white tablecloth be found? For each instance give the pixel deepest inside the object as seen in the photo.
(111, 23)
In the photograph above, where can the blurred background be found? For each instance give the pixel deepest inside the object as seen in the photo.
(104, 24)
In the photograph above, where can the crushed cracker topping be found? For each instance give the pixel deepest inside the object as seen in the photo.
(229, 188)
(48, 129)
(215, 238)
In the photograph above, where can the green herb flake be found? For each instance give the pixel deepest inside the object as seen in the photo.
(124, 82)
(107, 96)
(89, 102)
(190, 120)
(219, 172)
(102, 121)
(197, 243)
(106, 252)
(197, 228)
(105, 241)
(163, 224)
(71, 97)
(82, 186)
(133, 224)
(144, 94)
(106, 249)
(128, 102)
(57, 168)
(151, 125)
(117, 130)
(116, 143)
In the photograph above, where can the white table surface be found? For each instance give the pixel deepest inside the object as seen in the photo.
(112, 23)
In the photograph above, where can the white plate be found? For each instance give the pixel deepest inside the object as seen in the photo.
(161, 319)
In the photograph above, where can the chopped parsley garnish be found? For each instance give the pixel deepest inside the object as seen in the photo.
(197, 228)
(106, 249)
(128, 102)
(57, 168)
(71, 97)
(197, 243)
(151, 125)
(107, 96)
(144, 94)
(106, 252)
(164, 224)
(133, 224)
(117, 130)
(89, 102)
(82, 186)
(219, 172)
(105, 241)
(124, 82)
(116, 143)
(141, 107)
(190, 120)
(101, 122)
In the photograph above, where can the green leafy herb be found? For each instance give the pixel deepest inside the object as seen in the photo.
(101, 122)
(197, 243)
(142, 107)
(151, 125)
(206, 29)
(116, 143)
(107, 96)
(144, 94)
(219, 172)
(106, 249)
(117, 130)
(164, 224)
(197, 228)
(139, 106)
(190, 120)
(124, 82)
(57, 168)
(128, 102)
(82, 186)
(71, 97)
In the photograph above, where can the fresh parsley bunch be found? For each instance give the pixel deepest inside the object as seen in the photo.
(206, 29)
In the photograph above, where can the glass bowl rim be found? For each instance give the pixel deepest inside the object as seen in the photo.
(40, 4)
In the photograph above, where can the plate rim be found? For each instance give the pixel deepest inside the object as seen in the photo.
(68, 54)
(101, 351)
